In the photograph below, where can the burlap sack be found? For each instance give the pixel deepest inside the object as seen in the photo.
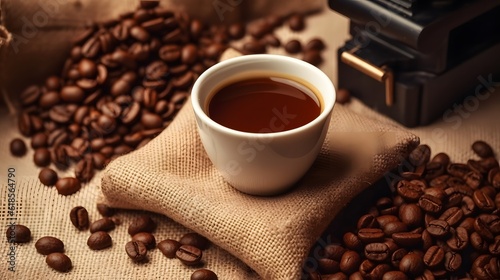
(173, 176)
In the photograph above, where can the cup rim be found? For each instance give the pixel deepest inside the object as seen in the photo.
(195, 99)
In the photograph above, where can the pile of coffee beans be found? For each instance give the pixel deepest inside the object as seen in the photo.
(441, 222)
(123, 83)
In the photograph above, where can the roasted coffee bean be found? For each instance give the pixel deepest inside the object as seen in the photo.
(18, 234)
(170, 53)
(169, 247)
(271, 40)
(333, 251)
(459, 239)
(254, 47)
(296, 22)
(315, 44)
(99, 240)
(87, 68)
(142, 223)
(189, 54)
(367, 221)
(214, 50)
(468, 224)
(352, 241)
(370, 235)
(452, 261)
(434, 256)
(41, 157)
(407, 239)
(376, 251)
(236, 31)
(478, 243)
(452, 215)
(328, 266)
(203, 274)
(104, 224)
(49, 99)
(438, 228)
(62, 113)
(67, 185)
(427, 240)
(350, 262)
(374, 271)
(17, 147)
(79, 217)
(84, 169)
(48, 244)
(394, 227)
(293, 46)
(136, 250)
(196, 240)
(409, 190)
(131, 113)
(386, 219)
(30, 95)
(39, 140)
(473, 179)
(48, 177)
(314, 57)
(59, 262)
(412, 264)
(397, 255)
(482, 149)
(411, 214)
(72, 94)
(145, 237)
(420, 155)
(394, 275)
(430, 203)
(483, 201)
(105, 210)
(458, 169)
(189, 255)
(258, 28)
(494, 247)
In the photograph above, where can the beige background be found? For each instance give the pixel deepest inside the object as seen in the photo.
(49, 212)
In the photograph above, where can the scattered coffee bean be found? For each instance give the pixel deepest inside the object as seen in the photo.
(18, 234)
(146, 238)
(41, 157)
(136, 250)
(189, 255)
(293, 46)
(315, 44)
(68, 186)
(169, 247)
(196, 240)
(343, 96)
(296, 22)
(59, 262)
(47, 245)
(99, 240)
(142, 223)
(204, 274)
(17, 147)
(482, 149)
(48, 177)
(104, 224)
(105, 210)
(79, 217)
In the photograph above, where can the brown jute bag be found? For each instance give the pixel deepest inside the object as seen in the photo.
(173, 176)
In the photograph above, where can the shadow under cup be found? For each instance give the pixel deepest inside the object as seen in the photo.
(262, 163)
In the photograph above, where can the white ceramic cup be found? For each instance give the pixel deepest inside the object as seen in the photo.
(262, 163)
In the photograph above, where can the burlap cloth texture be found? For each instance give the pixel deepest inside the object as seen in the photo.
(172, 175)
